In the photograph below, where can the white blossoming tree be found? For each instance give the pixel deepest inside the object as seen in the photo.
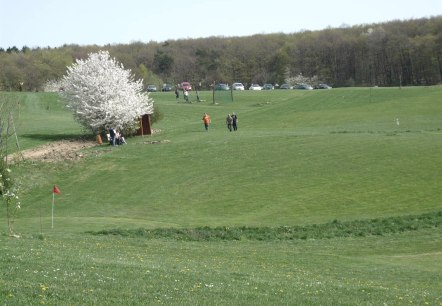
(103, 94)
(300, 79)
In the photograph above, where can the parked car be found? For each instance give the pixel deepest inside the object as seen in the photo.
(237, 86)
(185, 86)
(303, 86)
(151, 88)
(255, 87)
(222, 87)
(267, 87)
(323, 86)
(285, 86)
(166, 87)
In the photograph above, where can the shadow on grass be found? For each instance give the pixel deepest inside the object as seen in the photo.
(58, 137)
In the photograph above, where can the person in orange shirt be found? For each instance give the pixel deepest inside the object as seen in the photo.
(206, 120)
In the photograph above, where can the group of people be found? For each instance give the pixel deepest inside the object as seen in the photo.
(185, 94)
(115, 138)
(231, 121)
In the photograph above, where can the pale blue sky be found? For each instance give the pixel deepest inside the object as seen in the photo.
(42, 23)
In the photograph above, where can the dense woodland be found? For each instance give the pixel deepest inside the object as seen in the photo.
(396, 53)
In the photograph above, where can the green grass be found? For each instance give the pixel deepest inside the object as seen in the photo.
(74, 269)
(41, 118)
(334, 229)
(333, 164)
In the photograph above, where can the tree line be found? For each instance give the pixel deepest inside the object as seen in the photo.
(395, 53)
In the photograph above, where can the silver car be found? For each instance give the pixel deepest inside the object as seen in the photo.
(303, 86)
(237, 86)
(255, 87)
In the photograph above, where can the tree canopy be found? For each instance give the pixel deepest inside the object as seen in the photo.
(394, 53)
(103, 94)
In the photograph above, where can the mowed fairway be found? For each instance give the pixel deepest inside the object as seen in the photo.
(299, 158)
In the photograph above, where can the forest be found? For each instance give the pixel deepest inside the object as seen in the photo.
(394, 53)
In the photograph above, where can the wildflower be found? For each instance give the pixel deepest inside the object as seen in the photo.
(44, 287)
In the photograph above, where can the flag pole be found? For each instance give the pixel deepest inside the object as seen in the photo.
(53, 200)
(55, 190)
(41, 226)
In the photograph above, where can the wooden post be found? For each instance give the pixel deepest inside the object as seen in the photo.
(145, 128)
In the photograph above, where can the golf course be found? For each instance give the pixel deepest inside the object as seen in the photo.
(321, 197)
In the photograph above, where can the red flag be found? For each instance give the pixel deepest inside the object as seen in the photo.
(56, 190)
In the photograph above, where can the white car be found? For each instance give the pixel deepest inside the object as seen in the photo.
(238, 86)
(255, 87)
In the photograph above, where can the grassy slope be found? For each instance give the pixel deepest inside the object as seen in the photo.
(298, 158)
(119, 271)
(40, 118)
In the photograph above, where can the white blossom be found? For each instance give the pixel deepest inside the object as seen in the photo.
(102, 93)
(301, 79)
(53, 86)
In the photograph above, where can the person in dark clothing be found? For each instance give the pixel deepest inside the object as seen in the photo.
(229, 122)
(234, 121)
(112, 136)
(177, 94)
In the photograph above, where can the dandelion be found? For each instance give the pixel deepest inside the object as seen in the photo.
(44, 287)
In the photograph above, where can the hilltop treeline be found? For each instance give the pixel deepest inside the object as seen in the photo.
(387, 54)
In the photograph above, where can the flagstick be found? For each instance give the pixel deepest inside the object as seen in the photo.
(53, 200)
(41, 226)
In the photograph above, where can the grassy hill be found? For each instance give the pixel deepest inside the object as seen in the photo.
(299, 158)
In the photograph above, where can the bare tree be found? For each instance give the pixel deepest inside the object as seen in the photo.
(9, 188)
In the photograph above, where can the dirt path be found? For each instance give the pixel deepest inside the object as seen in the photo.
(58, 151)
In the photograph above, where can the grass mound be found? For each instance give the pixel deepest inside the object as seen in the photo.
(334, 229)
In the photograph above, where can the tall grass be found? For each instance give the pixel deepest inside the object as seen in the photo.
(334, 229)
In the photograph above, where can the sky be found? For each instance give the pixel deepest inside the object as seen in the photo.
(53, 23)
